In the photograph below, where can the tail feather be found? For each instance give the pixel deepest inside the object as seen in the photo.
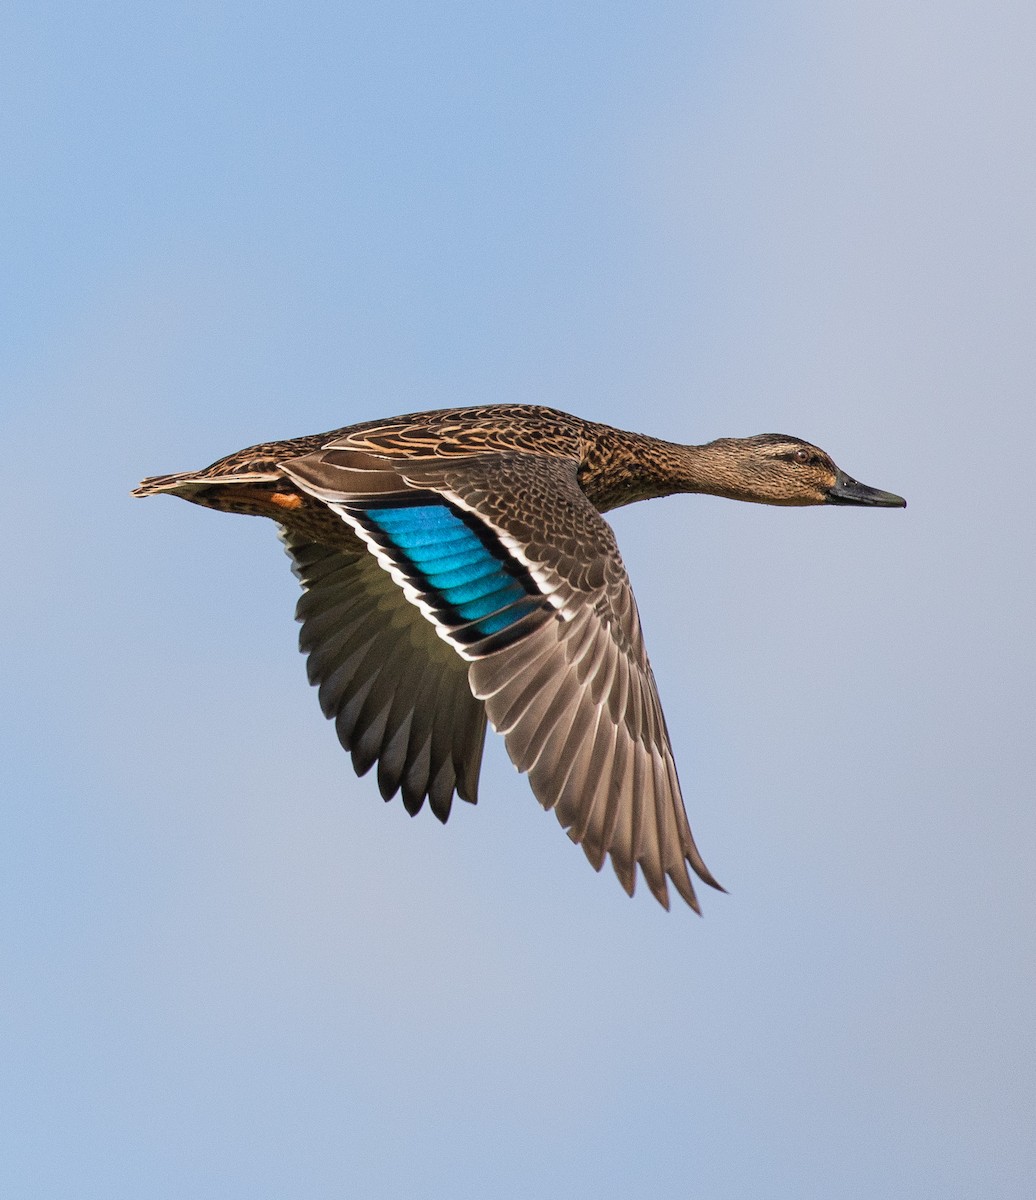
(186, 482)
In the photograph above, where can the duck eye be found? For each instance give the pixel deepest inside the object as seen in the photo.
(802, 456)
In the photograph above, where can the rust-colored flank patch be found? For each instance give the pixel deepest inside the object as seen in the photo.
(286, 500)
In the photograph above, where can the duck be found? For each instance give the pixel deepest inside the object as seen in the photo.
(457, 571)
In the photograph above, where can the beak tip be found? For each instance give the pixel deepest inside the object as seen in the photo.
(849, 491)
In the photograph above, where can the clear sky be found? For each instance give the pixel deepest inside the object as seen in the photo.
(228, 969)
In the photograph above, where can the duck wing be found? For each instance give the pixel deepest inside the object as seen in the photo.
(519, 573)
(398, 695)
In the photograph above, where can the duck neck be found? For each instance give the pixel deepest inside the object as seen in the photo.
(618, 470)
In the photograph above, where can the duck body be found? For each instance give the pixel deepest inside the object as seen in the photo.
(456, 568)
(614, 467)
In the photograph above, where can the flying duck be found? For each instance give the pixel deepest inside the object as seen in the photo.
(456, 568)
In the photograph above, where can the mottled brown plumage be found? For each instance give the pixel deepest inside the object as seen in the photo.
(456, 567)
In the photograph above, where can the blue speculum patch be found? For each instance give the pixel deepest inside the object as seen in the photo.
(457, 569)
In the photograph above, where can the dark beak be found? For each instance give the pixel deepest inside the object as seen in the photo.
(848, 491)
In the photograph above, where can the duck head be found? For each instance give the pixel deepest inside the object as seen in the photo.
(774, 468)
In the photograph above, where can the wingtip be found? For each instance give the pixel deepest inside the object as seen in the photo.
(706, 876)
(627, 877)
(698, 865)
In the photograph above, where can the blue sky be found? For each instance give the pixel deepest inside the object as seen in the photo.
(228, 969)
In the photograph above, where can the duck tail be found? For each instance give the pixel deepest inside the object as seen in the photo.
(184, 481)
